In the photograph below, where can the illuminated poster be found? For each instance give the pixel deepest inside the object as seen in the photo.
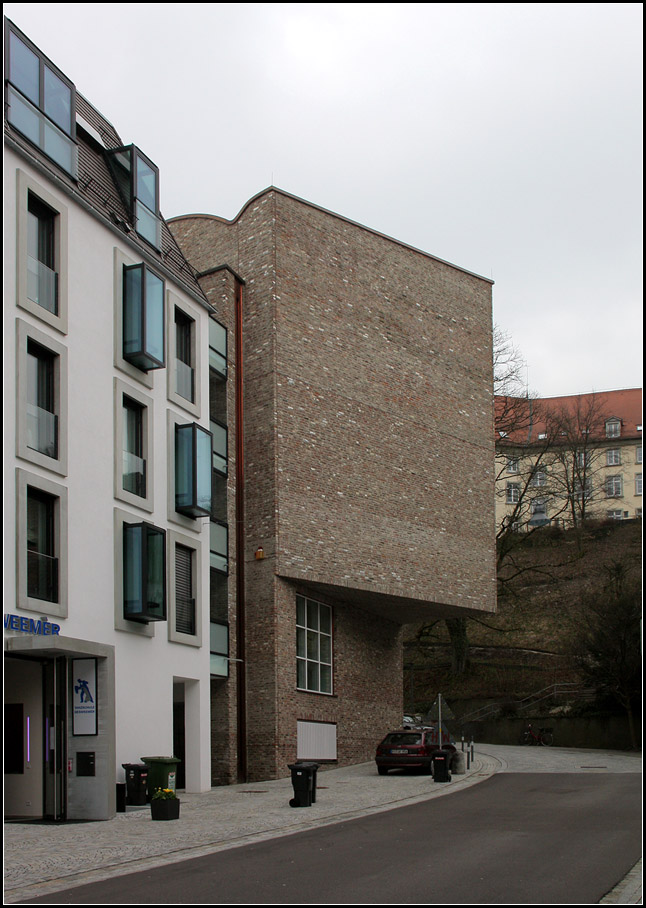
(84, 705)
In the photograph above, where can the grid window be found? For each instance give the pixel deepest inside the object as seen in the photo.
(638, 454)
(613, 457)
(638, 484)
(313, 646)
(613, 428)
(614, 487)
(513, 493)
(512, 465)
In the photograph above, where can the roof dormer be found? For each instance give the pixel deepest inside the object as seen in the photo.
(137, 179)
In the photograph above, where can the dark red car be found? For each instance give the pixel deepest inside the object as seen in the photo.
(411, 748)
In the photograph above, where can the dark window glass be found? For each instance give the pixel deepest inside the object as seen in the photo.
(184, 354)
(143, 318)
(144, 573)
(42, 279)
(42, 421)
(193, 477)
(42, 563)
(134, 464)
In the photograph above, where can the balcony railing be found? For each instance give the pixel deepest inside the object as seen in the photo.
(42, 285)
(42, 576)
(42, 431)
(185, 381)
(134, 474)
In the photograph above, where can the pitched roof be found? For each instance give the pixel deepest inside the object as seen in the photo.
(97, 191)
(525, 420)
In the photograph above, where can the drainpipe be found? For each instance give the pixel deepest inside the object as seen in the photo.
(240, 544)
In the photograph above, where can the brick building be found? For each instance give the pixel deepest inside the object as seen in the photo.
(357, 367)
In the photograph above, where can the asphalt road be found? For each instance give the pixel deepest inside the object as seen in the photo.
(564, 838)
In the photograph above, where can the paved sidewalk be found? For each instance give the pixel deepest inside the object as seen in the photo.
(41, 859)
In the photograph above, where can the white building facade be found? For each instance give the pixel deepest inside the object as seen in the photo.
(108, 460)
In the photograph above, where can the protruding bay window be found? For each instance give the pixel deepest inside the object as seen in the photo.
(193, 453)
(143, 318)
(144, 573)
(138, 181)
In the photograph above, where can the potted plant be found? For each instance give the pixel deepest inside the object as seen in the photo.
(164, 804)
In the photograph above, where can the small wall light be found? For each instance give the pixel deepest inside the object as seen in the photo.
(259, 554)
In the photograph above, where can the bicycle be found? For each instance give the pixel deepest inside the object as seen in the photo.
(544, 736)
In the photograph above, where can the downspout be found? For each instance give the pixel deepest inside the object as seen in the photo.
(241, 670)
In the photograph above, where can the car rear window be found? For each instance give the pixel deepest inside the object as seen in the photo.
(404, 737)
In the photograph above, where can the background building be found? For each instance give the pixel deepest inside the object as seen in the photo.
(106, 415)
(356, 365)
(561, 460)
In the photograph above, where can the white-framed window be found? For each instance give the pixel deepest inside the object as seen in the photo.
(539, 507)
(615, 514)
(41, 399)
(513, 493)
(583, 459)
(539, 478)
(184, 590)
(638, 454)
(613, 457)
(638, 484)
(613, 428)
(313, 646)
(133, 448)
(184, 354)
(614, 486)
(583, 490)
(512, 465)
(41, 534)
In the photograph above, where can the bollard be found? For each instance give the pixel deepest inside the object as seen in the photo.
(468, 759)
(462, 743)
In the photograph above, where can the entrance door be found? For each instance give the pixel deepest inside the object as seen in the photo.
(55, 686)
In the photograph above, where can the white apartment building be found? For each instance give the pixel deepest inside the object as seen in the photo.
(108, 459)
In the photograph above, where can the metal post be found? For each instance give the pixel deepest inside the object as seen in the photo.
(462, 743)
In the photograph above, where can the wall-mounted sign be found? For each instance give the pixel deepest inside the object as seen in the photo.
(84, 699)
(40, 627)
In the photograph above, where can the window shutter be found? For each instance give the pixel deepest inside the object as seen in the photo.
(184, 602)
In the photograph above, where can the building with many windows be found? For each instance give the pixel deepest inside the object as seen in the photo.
(561, 460)
(229, 476)
(108, 482)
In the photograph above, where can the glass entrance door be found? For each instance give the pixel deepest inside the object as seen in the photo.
(55, 686)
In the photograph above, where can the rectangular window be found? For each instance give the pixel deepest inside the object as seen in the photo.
(143, 318)
(512, 465)
(513, 493)
(219, 648)
(539, 478)
(615, 515)
(313, 646)
(219, 543)
(614, 487)
(184, 597)
(138, 181)
(144, 573)
(638, 454)
(134, 462)
(220, 435)
(613, 428)
(193, 456)
(638, 484)
(184, 339)
(42, 420)
(582, 491)
(217, 347)
(42, 278)
(42, 561)
(41, 101)
(583, 459)
(613, 457)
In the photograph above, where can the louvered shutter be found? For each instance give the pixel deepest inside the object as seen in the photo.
(184, 602)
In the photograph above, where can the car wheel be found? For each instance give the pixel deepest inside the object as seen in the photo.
(382, 770)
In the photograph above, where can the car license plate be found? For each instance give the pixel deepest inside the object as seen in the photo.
(399, 750)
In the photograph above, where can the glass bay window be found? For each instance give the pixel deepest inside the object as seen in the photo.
(143, 318)
(138, 181)
(193, 453)
(144, 573)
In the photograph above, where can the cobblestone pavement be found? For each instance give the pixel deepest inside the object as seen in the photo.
(41, 859)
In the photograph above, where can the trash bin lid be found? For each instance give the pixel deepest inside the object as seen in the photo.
(160, 759)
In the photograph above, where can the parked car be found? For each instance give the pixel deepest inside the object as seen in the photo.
(411, 749)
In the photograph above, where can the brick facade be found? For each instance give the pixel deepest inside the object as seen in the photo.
(368, 456)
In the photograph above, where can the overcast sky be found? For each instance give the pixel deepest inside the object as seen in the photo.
(502, 137)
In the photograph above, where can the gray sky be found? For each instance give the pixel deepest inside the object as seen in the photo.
(503, 137)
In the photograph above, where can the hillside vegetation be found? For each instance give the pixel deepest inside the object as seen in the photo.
(532, 640)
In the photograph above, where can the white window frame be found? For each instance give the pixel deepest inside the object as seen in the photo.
(638, 483)
(513, 465)
(24, 334)
(614, 486)
(24, 481)
(305, 659)
(198, 317)
(26, 185)
(613, 457)
(512, 493)
(613, 428)
(121, 390)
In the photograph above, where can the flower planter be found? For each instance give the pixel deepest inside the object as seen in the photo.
(165, 809)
